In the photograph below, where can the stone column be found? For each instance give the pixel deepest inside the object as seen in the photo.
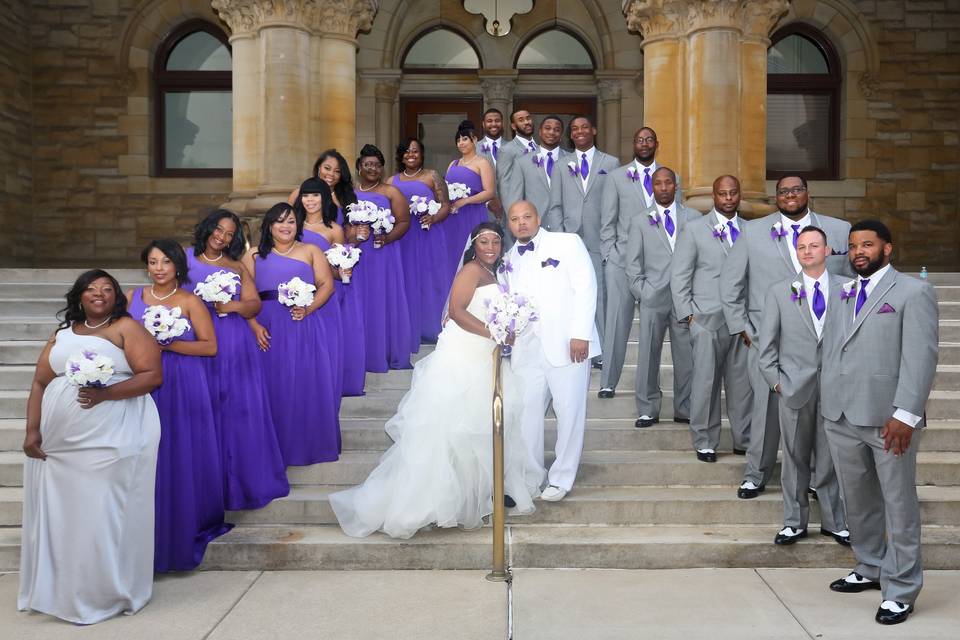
(705, 85)
(386, 91)
(610, 92)
(497, 87)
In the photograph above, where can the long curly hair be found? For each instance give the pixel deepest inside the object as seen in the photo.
(343, 189)
(201, 233)
(74, 312)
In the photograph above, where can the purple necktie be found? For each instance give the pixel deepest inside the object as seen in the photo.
(496, 149)
(668, 222)
(647, 182)
(819, 303)
(532, 146)
(734, 232)
(796, 234)
(550, 164)
(584, 167)
(861, 296)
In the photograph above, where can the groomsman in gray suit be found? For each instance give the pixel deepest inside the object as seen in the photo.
(489, 147)
(628, 191)
(796, 315)
(766, 253)
(717, 355)
(509, 180)
(576, 190)
(878, 368)
(526, 169)
(650, 245)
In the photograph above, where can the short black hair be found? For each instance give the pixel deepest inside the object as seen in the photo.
(673, 173)
(172, 249)
(328, 210)
(650, 129)
(404, 146)
(811, 227)
(274, 214)
(552, 116)
(583, 116)
(516, 111)
(370, 151)
(204, 228)
(466, 129)
(782, 178)
(882, 231)
(492, 110)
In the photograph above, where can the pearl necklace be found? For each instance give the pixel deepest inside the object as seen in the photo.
(360, 186)
(287, 252)
(414, 174)
(96, 326)
(159, 298)
(217, 259)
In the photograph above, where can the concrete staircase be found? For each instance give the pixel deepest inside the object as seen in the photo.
(641, 499)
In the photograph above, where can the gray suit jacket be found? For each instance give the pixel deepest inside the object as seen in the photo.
(790, 351)
(695, 274)
(521, 178)
(648, 256)
(886, 357)
(758, 260)
(574, 210)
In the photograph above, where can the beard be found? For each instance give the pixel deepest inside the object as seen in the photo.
(871, 267)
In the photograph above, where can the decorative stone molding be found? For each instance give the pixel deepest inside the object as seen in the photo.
(498, 89)
(868, 85)
(326, 17)
(657, 19)
(609, 90)
(345, 17)
(387, 90)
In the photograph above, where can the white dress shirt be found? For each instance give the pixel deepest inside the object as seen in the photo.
(808, 286)
(578, 158)
(788, 227)
(672, 207)
(489, 142)
(722, 219)
(526, 144)
(642, 170)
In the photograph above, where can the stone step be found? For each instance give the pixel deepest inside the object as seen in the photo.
(15, 307)
(17, 377)
(21, 351)
(11, 434)
(63, 276)
(35, 290)
(27, 328)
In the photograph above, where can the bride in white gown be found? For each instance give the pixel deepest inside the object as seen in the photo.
(439, 469)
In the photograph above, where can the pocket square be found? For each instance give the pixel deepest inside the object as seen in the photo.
(886, 308)
(550, 262)
(602, 172)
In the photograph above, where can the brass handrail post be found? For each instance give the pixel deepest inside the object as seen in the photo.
(499, 573)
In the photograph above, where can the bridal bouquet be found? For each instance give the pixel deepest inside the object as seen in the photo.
(343, 257)
(457, 191)
(89, 369)
(219, 286)
(295, 293)
(508, 314)
(420, 205)
(362, 212)
(164, 324)
(382, 226)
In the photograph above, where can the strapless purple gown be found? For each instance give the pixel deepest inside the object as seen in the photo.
(332, 315)
(300, 378)
(189, 489)
(253, 469)
(459, 225)
(386, 318)
(425, 257)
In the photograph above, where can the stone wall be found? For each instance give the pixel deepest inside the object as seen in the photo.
(16, 175)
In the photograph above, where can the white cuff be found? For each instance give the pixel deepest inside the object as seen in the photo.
(906, 417)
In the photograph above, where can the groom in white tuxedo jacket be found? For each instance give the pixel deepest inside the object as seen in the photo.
(553, 359)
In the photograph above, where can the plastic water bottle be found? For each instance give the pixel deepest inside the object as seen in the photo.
(923, 273)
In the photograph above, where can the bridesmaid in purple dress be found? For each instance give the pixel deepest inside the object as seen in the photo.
(477, 173)
(253, 470)
(423, 249)
(189, 489)
(380, 272)
(299, 373)
(317, 213)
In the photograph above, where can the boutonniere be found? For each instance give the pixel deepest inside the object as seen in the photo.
(777, 231)
(505, 267)
(486, 148)
(720, 231)
(848, 290)
(633, 174)
(573, 168)
(550, 262)
(654, 217)
(797, 292)
(537, 160)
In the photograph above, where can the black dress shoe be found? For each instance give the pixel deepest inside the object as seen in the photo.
(885, 616)
(747, 494)
(642, 423)
(598, 364)
(509, 502)
(606, 393)
(682, 420)
(739, 452)
(784, 539)
(844, 540)
(842, 586)
(812, 493)
(706, 456)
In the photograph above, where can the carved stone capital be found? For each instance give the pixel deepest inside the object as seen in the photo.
(757, 17)
(868, 85)
(498, 89)
(326, 17)
(386, 90)
(609, 90)
(345, 17)
(656, 19)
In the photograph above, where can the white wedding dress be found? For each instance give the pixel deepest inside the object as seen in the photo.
(439, 469)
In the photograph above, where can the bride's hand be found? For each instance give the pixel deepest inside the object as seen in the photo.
(31, 445)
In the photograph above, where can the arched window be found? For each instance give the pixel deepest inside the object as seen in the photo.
(193, 103)
(555, 50)
(803, 104)
(441, 49)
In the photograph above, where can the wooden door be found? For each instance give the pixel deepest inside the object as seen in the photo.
(434, 121)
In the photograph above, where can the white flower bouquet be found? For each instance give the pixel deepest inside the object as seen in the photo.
(343, 257)
(295, 293)
(382, 226)
(164, 324)
(362, 212)
(421, 205)
(89, 369)
(219, 286)
(457, 191)
(508, 314)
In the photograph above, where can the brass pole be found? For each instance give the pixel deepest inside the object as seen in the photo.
(500, 573)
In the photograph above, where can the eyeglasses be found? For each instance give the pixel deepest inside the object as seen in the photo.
(370, 165)
(792, 191)
(648, 140)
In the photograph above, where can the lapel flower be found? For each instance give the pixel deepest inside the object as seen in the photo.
(537, 160)
(848, 290)
(654, 217)
(777, 231)
(633, 174)
(720, 231)
(485, 148)
(797, 292)
(573, 168)
(505, 267)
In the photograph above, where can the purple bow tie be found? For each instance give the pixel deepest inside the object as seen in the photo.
(523, 248)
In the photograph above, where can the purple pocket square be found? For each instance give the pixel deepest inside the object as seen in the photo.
(886, 308)
(550, 262)
(602, 172)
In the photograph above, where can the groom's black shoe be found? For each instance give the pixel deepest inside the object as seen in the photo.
(509, 502)
(606, 393)
(885, 616)
(682, 420)
(857, 585)
(598, 363)
(643, 423)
